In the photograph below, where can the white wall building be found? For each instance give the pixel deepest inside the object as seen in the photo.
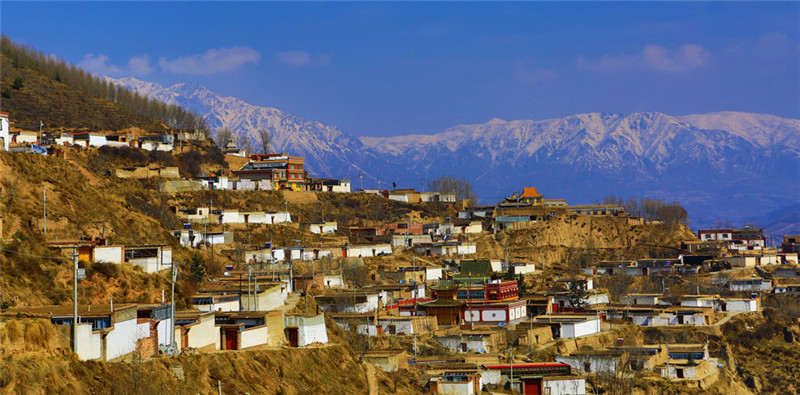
(5, 135)
(110, 254)
(310, 330)
(590, 363)
(323, 228)
(571, 330)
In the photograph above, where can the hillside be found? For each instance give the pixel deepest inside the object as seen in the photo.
(36, 362)
(84, 201)
(59, 106)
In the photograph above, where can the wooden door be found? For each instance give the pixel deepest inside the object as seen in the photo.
(291, 334)
(231, 338)
(532, 386)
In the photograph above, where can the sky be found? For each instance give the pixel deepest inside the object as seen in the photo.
(384, 69)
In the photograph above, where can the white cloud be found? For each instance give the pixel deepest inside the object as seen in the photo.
(294, 58)
(140, 64)
(297, 58)
(526, 72)
(213, 61)
(686, 57)
(99, 64)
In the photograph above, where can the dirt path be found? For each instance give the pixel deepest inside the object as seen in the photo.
(291, 302)
(86, 173)
(727, 318)
(373, 382)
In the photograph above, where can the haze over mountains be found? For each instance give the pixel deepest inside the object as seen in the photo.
(732, 166)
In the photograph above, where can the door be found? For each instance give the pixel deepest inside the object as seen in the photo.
(231, 337)
(679, 373)
(291, 334)
(532, 386)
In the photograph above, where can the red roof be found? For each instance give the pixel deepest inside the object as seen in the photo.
(528, 365)
(530, 192)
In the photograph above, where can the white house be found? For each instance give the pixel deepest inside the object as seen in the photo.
(749, 284)
(666, 318)
(267, 297)
(645, 300)
(739, 304)
(87, 140)
(571, 325)
(209, 302)
(25, 137)
(306, 330)
(343, 186)
(588, 362)
(104, 332)
(571, 330)
(366, 250)
(473, 227)
(5, 136)
(111, 254)
(323, 228)
(480, 343)
(742, 260)
(151, 258)
(197, 331)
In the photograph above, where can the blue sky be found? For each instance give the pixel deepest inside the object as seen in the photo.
(379, 69)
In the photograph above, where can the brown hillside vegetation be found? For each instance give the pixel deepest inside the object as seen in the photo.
(37, 360)
(58, 105)
(607, 238)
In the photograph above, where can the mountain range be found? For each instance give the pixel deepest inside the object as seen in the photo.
(725, 166)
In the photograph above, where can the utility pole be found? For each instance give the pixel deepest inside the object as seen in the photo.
(210, 212)
(249, 279)
(75, 300)
(512, 368)
(44, 208)
(172, 343)
(255, 290)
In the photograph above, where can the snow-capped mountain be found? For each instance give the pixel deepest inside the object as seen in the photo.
(719, 165)
(727, 165)
(327, 150)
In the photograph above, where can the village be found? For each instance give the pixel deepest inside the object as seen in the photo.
(435, 298)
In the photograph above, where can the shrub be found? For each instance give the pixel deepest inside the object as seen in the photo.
(109, 270)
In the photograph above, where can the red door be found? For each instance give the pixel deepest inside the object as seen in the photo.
(291, 334)
(231, 338)
(532, 386)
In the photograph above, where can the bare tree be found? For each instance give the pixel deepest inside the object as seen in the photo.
(242, 141)
(223, 135)
(265, 137)
(458, 186)
(618, 285)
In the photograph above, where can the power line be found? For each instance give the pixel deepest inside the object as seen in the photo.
(34, 255)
